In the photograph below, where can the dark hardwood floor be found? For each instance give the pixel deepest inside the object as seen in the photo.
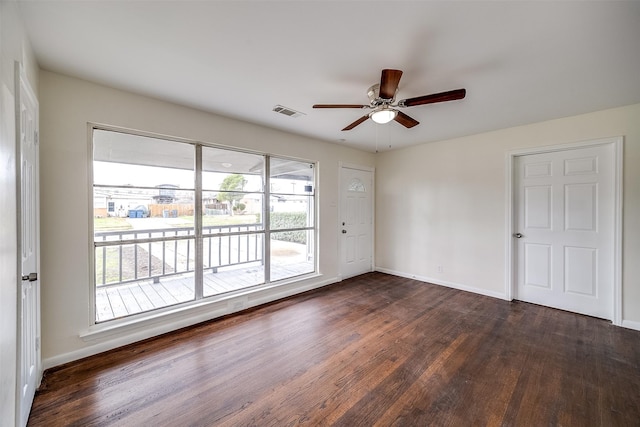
(372, 350)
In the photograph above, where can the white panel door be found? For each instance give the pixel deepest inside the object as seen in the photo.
(28, 242)
(565, 229)
(356, 222)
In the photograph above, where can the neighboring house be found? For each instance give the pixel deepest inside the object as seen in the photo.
(117, 205)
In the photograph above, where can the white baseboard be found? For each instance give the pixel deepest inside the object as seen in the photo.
(106, 338)
(485, 292)
(630, 324)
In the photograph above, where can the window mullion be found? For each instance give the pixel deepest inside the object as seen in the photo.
(197, 221)
(267, 219)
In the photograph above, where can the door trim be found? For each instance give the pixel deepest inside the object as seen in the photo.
(510, 210)
(342, 165)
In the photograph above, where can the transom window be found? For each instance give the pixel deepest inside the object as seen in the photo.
(175, 222)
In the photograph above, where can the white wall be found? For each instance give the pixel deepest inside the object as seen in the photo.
(443, 203)
(14, 46)
(66, 105)
(438, 204)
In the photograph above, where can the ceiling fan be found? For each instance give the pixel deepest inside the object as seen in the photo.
(382, 97)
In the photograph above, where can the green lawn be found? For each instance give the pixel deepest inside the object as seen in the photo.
(111, 223)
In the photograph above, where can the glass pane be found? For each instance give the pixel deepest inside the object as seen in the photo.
(141, 183)
(291, 177)
(232, 262)
(139, 296)
(132, 278)
(231, 173)
(291, 212)
(244, 214)
(292, 254)
(137, 161)
(128, 262)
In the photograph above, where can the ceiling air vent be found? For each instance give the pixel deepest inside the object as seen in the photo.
(287, 111)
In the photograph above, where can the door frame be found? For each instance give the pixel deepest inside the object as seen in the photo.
(372, 170)
(510, 248)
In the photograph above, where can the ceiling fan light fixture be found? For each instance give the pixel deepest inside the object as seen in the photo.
(383, 116)
(382, 102)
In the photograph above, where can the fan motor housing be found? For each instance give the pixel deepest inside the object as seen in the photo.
(374, 96)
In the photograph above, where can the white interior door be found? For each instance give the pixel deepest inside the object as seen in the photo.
(29, 367)
(356, 221)
(565, 229)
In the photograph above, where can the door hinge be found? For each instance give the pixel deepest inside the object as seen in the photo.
(36, 136)
(37, 343)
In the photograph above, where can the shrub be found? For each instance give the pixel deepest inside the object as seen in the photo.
(280, 220)
(239, 208)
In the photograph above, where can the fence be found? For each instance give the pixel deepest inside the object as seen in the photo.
(172, 209)
(131, 255)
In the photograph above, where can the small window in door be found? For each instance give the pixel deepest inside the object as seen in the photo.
(356, 185)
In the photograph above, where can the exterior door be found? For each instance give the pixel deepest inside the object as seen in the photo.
(29, 369)
(565, 229)
(356, 221)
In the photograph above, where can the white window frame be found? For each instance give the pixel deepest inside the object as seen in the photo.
(198, 270)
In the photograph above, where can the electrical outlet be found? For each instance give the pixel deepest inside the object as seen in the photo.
(238, 304)
(440, 269)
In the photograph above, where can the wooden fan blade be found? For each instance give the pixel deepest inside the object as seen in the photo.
(405, 120)
(389, 83)
(356, 123)
(339, 106)
(433, 98)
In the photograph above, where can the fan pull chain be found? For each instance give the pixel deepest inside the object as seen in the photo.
(388, 135)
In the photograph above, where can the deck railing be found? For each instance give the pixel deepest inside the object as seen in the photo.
(130, 255)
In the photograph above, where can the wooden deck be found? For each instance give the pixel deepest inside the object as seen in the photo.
(123, 300)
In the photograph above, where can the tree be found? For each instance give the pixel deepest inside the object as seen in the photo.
(229, 184)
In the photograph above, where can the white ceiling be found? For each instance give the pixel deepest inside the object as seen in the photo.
(521, 62)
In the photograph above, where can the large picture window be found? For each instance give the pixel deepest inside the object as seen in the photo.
(176, 221)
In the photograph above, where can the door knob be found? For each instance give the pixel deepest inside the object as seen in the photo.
(344, 231)
(517, 235)
(32, 277)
